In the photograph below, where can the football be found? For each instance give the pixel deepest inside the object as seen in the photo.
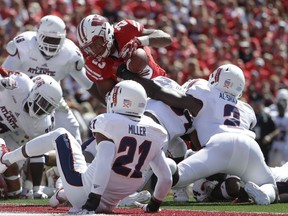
(138, 61)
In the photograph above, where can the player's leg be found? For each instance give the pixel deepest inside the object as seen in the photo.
(66, 119)
(71, 164)
(177, 149)
(260, 184)
(212, 159)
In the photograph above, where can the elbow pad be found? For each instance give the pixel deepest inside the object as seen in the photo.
(11, 48)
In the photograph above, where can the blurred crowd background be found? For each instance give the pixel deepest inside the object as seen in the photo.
(206, 33)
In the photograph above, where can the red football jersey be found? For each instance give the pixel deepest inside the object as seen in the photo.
(124, 31)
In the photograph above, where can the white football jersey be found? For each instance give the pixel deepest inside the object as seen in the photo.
(176, 121)
(230, 114)
(25, 56)
(136, 145)
(13, 119)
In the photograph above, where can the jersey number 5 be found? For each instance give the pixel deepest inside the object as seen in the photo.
(129, 145)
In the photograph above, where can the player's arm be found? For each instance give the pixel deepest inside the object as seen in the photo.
(149, 37)
(103, 164)
(164, 182)
(12, 62)
(154, 38)
(169, 96)
(81, 78)
(100, 89)
(78, 71)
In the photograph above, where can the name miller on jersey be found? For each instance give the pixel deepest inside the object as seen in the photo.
(137, 130)
(40, 70)
(227, 97)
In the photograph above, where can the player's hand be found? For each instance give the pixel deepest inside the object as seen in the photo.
(92, 203)
(8, 83)
(152, 206)
(124, 73)
(129, 48)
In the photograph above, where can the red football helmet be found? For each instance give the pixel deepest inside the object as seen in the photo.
(95, 36)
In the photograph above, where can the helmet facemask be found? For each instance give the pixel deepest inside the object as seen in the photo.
(45, 96)
(40, 107)
(50, 46)
(51, 35)
(95, 36)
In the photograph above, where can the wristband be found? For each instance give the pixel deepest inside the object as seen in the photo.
(153, 205)
(144, 40)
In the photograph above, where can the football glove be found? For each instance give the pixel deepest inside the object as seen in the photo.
(129, 48)
(92, 203)
(8, 83)
(152, 206)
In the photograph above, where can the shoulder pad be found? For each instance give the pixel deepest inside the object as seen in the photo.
(11, 48)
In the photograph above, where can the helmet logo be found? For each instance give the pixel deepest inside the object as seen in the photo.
(97, 20)
(227, 83)
(127, 103)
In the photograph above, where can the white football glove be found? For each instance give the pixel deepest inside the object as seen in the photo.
(8, 83)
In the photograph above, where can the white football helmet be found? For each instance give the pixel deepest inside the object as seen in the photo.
(202, 189)
(282, 94)
(228, 78)
(128, 98)
(95, 36)
(45, 96)
(51, 34)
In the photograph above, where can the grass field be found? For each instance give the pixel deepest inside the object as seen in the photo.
(192, 205)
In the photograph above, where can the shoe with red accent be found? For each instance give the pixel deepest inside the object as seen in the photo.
(3, 151)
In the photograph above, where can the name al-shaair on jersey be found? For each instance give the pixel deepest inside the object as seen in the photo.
(25, 56)
(230, 114)
(177, 122)
(12, 115)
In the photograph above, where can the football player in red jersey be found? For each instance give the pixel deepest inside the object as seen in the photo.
(107, 46)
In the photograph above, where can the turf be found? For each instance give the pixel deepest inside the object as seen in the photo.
(191, 205)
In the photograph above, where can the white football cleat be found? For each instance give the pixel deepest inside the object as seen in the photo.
(255, 193)
(141, 197)
(56, 200)
(180, 195)
(39, 195)
(26, 194)
(3, 151)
